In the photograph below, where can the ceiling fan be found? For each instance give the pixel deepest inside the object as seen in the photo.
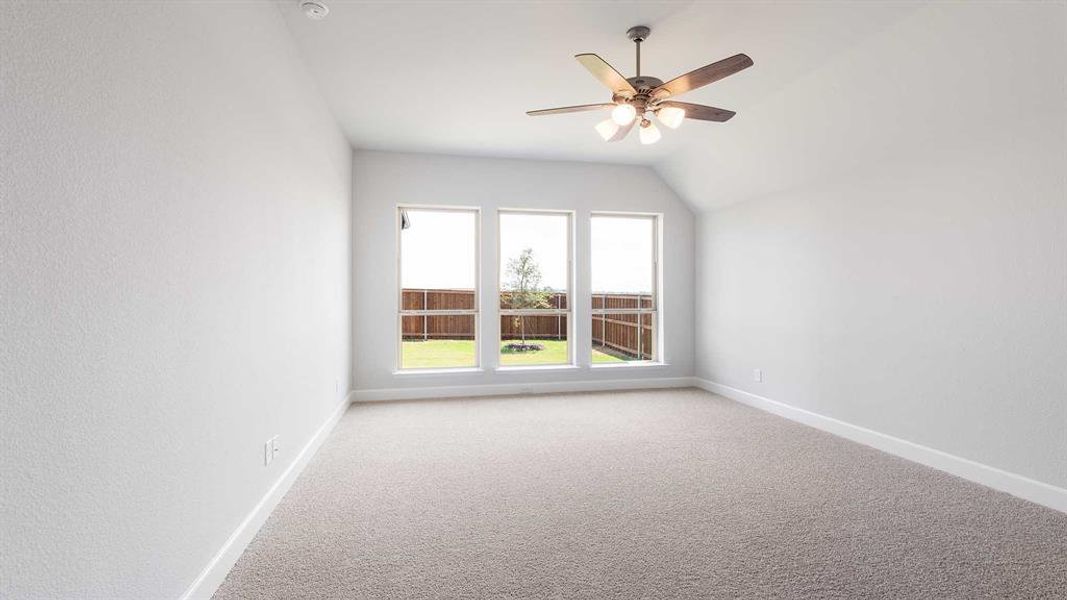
(635, 100)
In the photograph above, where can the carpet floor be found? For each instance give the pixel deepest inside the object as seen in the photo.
(645, 494)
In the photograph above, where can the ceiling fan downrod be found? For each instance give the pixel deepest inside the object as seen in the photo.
(638, 34)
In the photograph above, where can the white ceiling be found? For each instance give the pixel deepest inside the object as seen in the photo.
(833, 82)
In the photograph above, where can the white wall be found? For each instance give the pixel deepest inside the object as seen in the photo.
(385, 180)
(176, 272)
(921, 294)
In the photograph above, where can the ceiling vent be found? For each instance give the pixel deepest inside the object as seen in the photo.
(314, 10)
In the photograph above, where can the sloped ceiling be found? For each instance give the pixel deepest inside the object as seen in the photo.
(834, 84)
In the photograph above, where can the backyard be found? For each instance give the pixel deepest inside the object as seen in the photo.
(439, 354)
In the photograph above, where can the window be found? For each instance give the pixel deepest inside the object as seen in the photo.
(625, 263)
(438, 316)
(535, 288)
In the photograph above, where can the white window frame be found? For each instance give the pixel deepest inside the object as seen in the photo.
(542, 312)
(401, 312)
(657, 340)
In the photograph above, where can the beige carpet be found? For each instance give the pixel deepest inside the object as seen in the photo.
(652, 494)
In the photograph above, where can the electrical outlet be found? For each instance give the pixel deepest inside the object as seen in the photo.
(757, 375)
(271, 448)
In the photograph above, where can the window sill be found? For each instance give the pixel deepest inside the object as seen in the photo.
(630, 365)
(522, 369)
(407, 372)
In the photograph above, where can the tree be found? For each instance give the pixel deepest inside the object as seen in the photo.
(524, 287)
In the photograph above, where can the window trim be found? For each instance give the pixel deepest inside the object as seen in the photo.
(475, 312)
(656, 356)
(542, 312)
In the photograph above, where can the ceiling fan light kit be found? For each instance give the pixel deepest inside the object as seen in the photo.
(641, 98)
(623, 113)
(607, 129)
(671, 116)
(649, 133)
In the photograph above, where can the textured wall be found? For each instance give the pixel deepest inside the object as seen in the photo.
(920, 290)
(384, 180)
(924, 297)
(175, 259)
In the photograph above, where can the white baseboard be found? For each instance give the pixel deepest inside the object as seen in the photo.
(1016, 485)
(1028, 489)
(216, 570)
(454, 391)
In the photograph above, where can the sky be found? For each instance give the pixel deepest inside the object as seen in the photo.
(438, 250)
(546, 235)
(621, 254)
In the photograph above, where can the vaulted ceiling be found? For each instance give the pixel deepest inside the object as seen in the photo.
(834, 83)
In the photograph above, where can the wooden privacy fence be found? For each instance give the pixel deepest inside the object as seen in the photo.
(626, 334)
(629, 334)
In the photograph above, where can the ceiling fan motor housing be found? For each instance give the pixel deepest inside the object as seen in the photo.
(644, 84)
(643, 100)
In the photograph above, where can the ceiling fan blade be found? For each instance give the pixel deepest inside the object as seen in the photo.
(703, 76)
(605, 73)
(623, 131)
(569, 109)
(699, 111)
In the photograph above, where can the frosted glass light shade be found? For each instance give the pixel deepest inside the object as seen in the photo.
(671, 116)
(650, 134)
(623, 114)
(607, 129)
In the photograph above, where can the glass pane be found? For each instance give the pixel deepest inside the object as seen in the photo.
(533, 260)
(621, 255)
(438, 271)
(437, 259)
(437, 342)
(533, 340)
(623, 337)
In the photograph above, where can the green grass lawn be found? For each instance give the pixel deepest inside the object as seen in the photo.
(445, 354)
(555, 353)
(600, 357)
(438, 354)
